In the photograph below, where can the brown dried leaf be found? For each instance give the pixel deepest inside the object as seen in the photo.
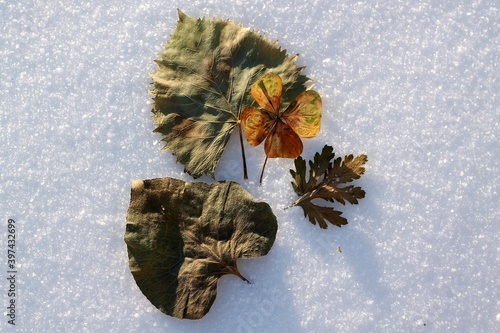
(327, 181)
(182, 237)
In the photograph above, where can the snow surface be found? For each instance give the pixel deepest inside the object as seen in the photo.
(414, 84)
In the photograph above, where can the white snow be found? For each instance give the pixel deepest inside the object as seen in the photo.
(414, 84)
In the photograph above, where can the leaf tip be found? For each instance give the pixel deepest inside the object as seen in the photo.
(182, 16)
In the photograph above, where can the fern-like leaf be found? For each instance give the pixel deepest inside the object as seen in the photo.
(327, 181)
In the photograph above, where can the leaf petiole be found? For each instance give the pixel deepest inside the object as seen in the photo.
(307, 196)
(235, 271)
(245, 173)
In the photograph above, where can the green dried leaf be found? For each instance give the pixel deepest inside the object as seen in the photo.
(327, 181)
(182, 237)
(203, 81)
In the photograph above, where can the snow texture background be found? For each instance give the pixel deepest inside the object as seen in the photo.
(413, 84)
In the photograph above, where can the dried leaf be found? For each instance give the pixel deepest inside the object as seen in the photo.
(256, 124)
(283, 129)
(327, 181)
(202, 82)
(283, 142)
(182, 237)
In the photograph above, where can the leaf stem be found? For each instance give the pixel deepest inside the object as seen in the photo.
(245, 173)
(235, 271)
(307, 196)
(262, 172)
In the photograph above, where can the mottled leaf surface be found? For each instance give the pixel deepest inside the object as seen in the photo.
(327, 180)
(282, 127)
(182, 237)
(203, 81)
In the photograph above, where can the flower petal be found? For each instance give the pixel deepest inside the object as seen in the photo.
(256, 124)
(267, 92)
(283, 142)
(304, 114)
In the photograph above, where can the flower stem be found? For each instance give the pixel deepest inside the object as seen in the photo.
(262, 172)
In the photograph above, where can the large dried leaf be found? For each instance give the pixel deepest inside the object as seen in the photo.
(203, 81)
(182, 237)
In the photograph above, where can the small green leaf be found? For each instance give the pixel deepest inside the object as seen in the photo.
(182, 237)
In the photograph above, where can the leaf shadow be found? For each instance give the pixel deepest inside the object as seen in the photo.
(264, 306)
(267, 299)
(358, 250)
(363, 260)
